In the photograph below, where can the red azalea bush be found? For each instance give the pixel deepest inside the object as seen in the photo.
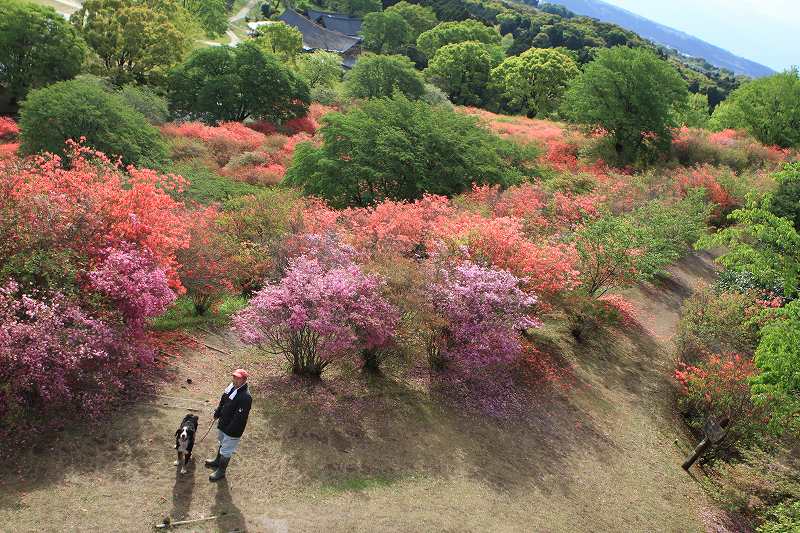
(718, 386)
(94, 205)
(88, 253)
(722, 186)
(8, 128)
(730, 148)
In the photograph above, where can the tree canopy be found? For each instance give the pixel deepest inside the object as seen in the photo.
(37, 47)
(462, 71)
(134, 41)
(223, 83)
(534, 81)
(631, 93)
(398, 148)
(375, 76)
(456, 32)
(84, 108)
(768, 108)
(280, 39)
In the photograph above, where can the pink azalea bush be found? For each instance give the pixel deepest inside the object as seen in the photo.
(317, 314)
(54, 355)
(484, 310)
(131, 279)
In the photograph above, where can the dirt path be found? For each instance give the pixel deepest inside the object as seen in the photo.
(386, 457)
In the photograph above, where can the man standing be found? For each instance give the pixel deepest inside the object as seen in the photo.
(232, 412)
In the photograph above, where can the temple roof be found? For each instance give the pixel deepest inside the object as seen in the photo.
(336, 22)
(316, 37)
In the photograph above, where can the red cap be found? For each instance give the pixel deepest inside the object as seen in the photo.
(240, 373)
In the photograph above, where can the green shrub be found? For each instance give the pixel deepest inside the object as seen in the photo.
(400, 149)
(716, 322)
(147, 102)
(83, 108)
(783, 518)
(206, 187)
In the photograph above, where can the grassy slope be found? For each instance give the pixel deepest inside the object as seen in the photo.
(597, 458)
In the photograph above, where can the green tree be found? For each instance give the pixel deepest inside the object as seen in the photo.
(456, 32)
(762, 244)
(376, 76)
(399, 148)
(132, 40)
(223, 83)
(212, 15)
(37, 47)
(786, 200)
(280, 39)
(632, 94)
(419, 18)
(778, 358)
(534, 81)
(462, 71)
(83, 108)
(619, 251)
(768, 108)
(319, 68)
(386, 32)
(147, 102)
(695, 114)
(357, 8)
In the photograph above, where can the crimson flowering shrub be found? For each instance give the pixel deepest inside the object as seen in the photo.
(545, 268)
(484, 311)
(731, 148)
(395, 227)
(8, 128)
(317, 314)
(718, 386)
(722, 187)
(93, 205)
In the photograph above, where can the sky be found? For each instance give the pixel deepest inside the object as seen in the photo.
(765, 31)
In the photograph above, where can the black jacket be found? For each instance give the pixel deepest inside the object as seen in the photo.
(233, 414)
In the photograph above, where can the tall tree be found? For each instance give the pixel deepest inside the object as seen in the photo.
(400, 149)
(462, 71)
(633, 94)
(768, 108)
(37, 47)
(133, 41)
(84, 108)
(280, 39)
(223, 83)
(456, 32)
(212, 15)
(534, 81)
(375, 76)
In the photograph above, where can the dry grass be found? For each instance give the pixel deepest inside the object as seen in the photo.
(383, 455)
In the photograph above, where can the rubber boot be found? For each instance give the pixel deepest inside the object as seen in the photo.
(219, 473)
(213, 463)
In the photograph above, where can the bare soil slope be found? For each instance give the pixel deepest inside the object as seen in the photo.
(388, 457)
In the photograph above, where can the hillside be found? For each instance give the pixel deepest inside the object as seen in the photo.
(683, 42)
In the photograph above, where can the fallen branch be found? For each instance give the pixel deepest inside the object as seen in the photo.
(167, 523)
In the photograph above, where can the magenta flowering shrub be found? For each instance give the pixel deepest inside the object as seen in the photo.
(318, 313)
(134, 283)
(54, 356)
(484, 311)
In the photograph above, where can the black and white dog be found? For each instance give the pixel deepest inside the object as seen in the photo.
(184, 441)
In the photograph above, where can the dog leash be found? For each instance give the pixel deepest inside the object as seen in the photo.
(208, 430)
